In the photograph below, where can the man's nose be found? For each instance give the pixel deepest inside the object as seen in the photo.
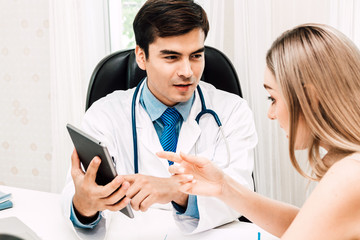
(185, 70)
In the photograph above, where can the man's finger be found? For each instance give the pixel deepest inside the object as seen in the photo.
(118, 194)
(120, 205)
(137, 199)
(92, 169)
(183, 178)
(176, 169)
(130, 178)
(75, 165)
(187, 187)
(110, 188)
(146, 203)
(133, 190)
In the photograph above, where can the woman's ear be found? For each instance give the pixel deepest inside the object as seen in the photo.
(140, 57)
(312, 96)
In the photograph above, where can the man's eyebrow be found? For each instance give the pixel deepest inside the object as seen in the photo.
(171, 52)
(199, 50)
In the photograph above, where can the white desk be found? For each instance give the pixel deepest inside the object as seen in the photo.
(42, 213)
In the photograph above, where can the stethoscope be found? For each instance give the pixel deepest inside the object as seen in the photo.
(203, 111)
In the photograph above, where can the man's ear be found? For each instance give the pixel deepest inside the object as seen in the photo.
(140, 57)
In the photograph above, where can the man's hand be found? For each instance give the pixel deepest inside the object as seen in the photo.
(147, 190)
(89, 197)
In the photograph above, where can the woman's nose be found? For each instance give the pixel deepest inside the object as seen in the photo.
(271, 113)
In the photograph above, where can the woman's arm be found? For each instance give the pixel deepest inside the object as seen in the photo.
(271, 215)
(200, 176)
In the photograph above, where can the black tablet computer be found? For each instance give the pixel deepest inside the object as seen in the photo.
(87, 148)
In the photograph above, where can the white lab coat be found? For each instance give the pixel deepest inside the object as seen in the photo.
(109, 120)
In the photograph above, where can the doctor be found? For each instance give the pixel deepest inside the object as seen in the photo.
(170, 39)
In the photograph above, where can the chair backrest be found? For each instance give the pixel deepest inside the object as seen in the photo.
(119, 71)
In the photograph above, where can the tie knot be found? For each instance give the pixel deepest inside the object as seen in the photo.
(170, 116)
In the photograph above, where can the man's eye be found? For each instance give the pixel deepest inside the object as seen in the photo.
(171, 57)
(197, 56)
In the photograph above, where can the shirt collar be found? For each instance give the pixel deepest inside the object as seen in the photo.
(155, 108)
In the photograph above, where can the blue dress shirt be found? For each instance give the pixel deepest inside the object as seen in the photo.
(155, 109)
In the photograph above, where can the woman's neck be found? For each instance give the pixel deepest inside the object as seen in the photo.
(334, 155)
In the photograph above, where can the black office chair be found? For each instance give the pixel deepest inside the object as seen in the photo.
(119, 71)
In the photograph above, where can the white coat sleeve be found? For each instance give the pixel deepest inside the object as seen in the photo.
(91, 119)
(240, 133)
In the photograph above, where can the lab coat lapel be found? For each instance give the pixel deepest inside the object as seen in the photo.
(148, 143)
(190, 130)
(146, 132)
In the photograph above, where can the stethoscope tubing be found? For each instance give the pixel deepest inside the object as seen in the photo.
(133, 120)
(204, 110)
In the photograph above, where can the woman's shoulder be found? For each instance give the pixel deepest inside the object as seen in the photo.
(344, 172)
(347, 165)
(354, 156)
(337, 196)
(334, 204)
(342, 183)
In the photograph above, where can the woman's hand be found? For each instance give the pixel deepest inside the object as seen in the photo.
(197, 175)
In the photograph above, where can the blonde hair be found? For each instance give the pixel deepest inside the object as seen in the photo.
(318, 70)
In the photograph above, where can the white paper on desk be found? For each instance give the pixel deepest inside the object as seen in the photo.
(4, 196)
(245, 231)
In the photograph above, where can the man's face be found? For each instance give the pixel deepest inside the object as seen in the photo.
(174, 66)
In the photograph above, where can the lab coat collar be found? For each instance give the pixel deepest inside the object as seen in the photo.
(190, 130)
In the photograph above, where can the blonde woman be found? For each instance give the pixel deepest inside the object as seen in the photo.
(313, 78)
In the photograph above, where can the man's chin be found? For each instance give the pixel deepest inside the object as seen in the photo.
(183, 98)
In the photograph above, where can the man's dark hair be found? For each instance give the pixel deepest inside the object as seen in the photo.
(165, 18)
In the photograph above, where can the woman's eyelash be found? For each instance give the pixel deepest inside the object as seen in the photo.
(271, 98)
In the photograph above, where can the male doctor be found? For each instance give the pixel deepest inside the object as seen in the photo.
(170, 37)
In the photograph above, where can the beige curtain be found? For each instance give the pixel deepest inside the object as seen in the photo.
(78, 41)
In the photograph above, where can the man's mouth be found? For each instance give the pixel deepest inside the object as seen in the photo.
(183, 87)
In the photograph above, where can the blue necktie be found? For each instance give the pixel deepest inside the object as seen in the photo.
(168, 138)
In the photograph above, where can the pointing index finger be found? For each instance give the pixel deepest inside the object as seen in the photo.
(198, 161)
(171, 156)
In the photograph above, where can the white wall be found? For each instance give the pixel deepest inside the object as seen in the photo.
(25, 129)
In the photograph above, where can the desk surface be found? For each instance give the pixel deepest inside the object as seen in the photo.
(41, 212)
